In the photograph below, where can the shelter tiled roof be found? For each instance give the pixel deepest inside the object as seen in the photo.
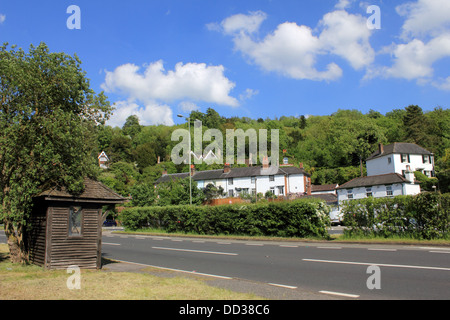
(94, 191)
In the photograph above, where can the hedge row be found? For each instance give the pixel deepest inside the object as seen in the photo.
(425, 216)
(300, 218)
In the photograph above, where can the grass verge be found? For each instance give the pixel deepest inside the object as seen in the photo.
(333, 238)
(30, 282)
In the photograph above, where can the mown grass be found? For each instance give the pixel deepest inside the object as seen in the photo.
(30, 282)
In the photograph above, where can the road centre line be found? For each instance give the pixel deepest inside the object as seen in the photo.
(440, 252)
(381, 249)
(378, 264)
(111, 244)
(196, 251)
(336, 248)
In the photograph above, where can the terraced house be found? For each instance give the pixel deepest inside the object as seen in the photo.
(281, 180)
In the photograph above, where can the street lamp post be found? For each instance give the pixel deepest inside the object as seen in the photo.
(190, 169)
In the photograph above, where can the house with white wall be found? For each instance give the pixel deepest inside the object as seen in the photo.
(390, 173)
(396, 157)
(281, 181)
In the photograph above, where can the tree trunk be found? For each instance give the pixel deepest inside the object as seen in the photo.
(16, 243)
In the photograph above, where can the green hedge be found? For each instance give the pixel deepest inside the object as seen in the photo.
(300, 218)
(425, 216)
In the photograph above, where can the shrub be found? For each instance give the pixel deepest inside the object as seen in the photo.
(300, 218)
(424, 216)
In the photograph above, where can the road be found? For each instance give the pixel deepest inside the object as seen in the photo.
(323, 269)
(339, 270)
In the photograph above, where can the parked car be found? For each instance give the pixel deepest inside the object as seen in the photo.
(336, 216)
(109, 223)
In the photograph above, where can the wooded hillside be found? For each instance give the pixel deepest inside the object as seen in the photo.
(331, 148)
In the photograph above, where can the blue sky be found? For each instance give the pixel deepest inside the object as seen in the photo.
(253, 58)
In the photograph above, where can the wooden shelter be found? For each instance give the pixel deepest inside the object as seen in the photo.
(66, 230)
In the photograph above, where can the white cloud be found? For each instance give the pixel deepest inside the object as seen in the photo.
(193, 81)
(150, 114)
(347, 36)
(426, 40)
(293, 50)
(415, 59)
(343, 4)
(188, 107)
(248, 94)
(424, 17)
(2, 18)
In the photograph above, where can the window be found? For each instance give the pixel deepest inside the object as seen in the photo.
(405, 158)
(231, 193)
(271, 178)
(75, 220)
(253, 180)
(389, 191)
(230, 181)
(272, 189)
(389, 160)
(350, 193)
(281, 190)
(426, 158)
(369, 192)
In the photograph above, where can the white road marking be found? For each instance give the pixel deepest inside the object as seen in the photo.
(348, 295)
(111, 244)
(337, 248)
(282, 286)
(439, 252)
(178, 270)
(254, 244)
(196, 251)
(381, 249)
(287, 246)
(379, 264)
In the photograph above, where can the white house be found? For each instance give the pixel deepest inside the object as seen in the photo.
(378, 186)
(103, 160)
(396, 157)
(281, 181)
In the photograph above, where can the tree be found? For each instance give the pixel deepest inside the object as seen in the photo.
(416, 125)
(48, 116)
(131, 126)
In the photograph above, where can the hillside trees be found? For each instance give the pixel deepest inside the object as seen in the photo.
(333, 148)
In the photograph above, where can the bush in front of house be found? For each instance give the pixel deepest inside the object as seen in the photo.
(300, 218)
(424, 216)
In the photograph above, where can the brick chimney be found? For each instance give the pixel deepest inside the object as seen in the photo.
(265, 163)
(227, 168)
(164, 173)
(301, 165)
(381, 148)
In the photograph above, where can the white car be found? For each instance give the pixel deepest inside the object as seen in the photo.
(336, 216)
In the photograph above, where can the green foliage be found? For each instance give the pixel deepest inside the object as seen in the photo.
(48, 121)
(425, 216)
(301, 218)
